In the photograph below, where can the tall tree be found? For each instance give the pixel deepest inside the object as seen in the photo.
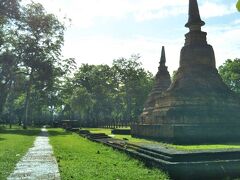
(9, 11)
(96, 82)
(7, 70)
(39, 39)
(135, 84)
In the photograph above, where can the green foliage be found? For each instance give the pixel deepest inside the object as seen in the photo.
(174, 75)
(33, 74)
(230, 73)
(14, 143)
(79, 158)
(238, 5)
(39, 41)
(31, 65)
(81, 101)
(101, 95)
(134, 84)
(9, 8)
(7, 68)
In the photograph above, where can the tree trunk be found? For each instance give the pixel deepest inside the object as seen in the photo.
(3, 97)
(26, 104)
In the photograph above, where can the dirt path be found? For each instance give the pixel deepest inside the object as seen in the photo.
(39, 163)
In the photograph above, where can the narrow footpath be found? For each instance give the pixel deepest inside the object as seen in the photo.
(39, 163)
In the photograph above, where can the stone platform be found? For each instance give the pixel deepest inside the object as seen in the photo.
(201, 164)
(212, 164)
(188, 133)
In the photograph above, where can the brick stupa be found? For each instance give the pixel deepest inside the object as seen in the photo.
(162, 83)
(198, 107)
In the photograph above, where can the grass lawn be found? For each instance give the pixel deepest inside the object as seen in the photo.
(14, 143)
(205, 147)
(79, 158)
(178, 147)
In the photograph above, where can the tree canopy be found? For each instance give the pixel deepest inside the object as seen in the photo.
(230, 72)
(30, 60)
(102, 95)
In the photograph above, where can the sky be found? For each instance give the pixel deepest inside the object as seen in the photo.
(103, 30)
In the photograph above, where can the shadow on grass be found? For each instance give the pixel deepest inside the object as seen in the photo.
(28, 132)
(32, 132)
(2, 139)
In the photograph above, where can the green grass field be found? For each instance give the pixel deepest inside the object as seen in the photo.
(14, 143)
(178, 147)
(79, 158)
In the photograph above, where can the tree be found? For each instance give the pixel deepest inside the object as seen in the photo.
(32, 71)
(93, 84)
(134, 84)
(101, 95)
(39, 40)
(9, 10)
(230, 73)
(82, 103)
(7, 61)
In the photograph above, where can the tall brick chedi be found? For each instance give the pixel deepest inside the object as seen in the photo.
(161, 84)
(198, 107)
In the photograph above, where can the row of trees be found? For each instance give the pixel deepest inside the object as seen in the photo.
(38, 86)
(100, 95)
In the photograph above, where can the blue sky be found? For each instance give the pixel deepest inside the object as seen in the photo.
(103, 30)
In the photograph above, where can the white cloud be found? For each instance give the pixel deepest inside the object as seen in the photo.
(236, 22)
(84, 13)
(225, 43)
(103, 49)
(215, 9)
(158, 14)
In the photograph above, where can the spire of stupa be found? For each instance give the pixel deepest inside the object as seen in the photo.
(163, 57)
(195, 35)
(194, 19)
